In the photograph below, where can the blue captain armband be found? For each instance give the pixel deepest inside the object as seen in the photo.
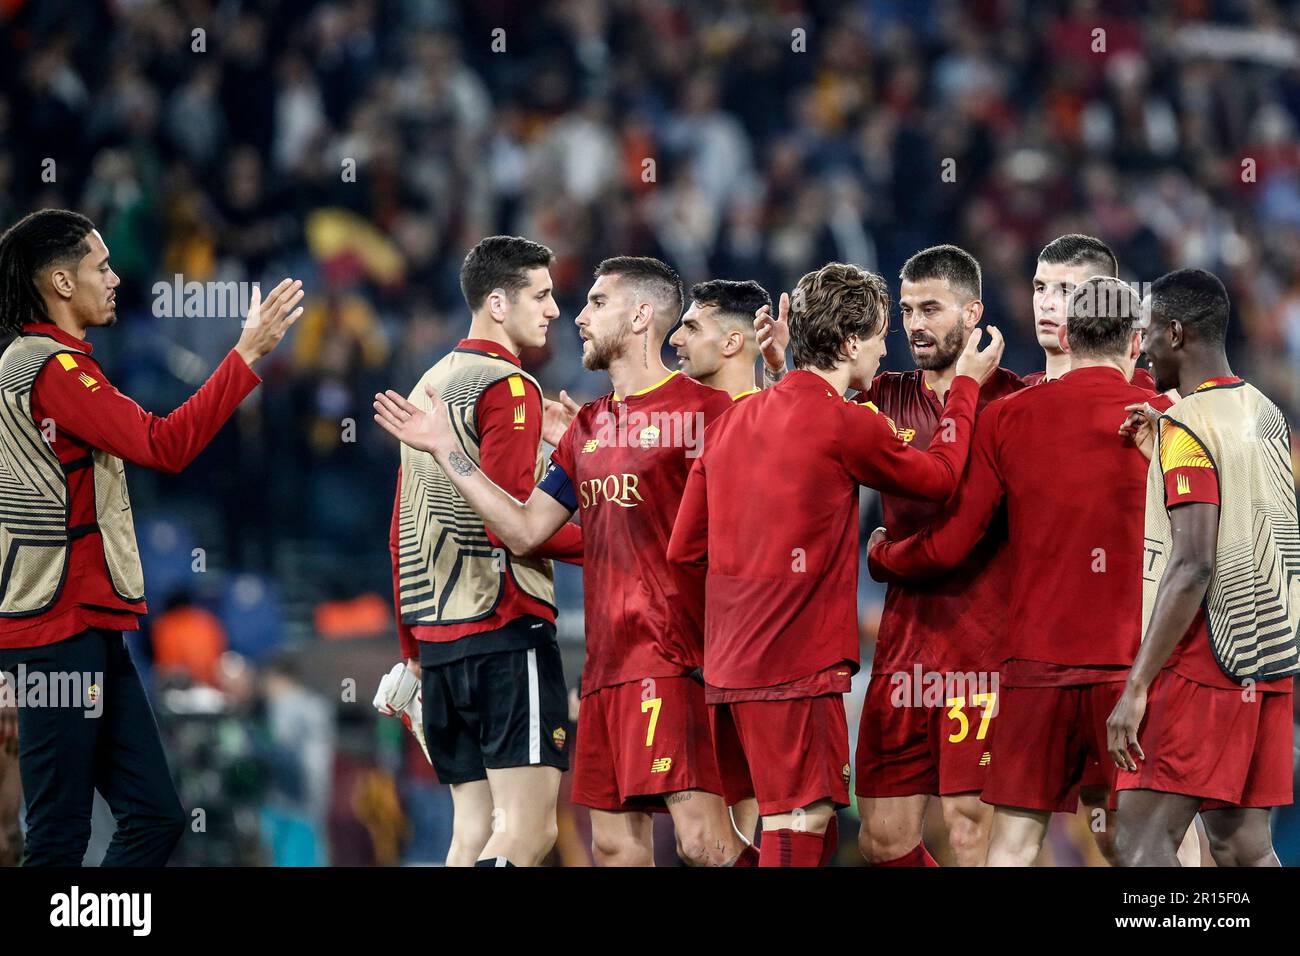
(558, 485)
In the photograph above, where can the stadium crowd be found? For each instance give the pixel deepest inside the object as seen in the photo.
(367, 145)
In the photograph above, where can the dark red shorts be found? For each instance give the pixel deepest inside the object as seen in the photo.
(906, 748)
(1051, 741)
(1210, 742)
(796, 750)
(641, 740)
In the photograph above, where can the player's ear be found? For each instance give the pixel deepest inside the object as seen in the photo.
(496, 305)
(1135, 345)
(733, 343)
(1063, 337)
(63, 281)
(974, 312)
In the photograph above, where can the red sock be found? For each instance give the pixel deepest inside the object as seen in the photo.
(790, 848)
(919, 856)
(830, 841)
(748, 857)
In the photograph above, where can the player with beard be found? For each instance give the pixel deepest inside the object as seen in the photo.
(907, 753)
(643, 735)
(67, 596)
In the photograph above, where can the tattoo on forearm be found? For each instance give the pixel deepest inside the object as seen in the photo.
(460, 464)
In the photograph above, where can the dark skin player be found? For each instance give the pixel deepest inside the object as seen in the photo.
(1151, 823)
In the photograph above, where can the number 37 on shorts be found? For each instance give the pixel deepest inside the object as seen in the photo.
(981, 710)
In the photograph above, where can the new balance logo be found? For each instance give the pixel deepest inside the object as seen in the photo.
(519, 417)
(907, 434)
(985, 759)
(590, 445)
(661, 764)
(1184, 485)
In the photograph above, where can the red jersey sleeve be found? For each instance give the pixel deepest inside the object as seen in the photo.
(944, 544)
(410, 649)
(688, 548)
(509, 418)
(1190, 475)
(74, 393)
(875, 456)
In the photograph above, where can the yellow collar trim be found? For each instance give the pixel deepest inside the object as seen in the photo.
(649, 388)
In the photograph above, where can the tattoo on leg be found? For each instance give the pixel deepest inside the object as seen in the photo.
(680, 797)
(460, 464)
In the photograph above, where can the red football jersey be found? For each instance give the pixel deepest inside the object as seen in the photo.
(949, 623)
(768, 525)
(622, 465)
(1075, 492)
(1141, 377)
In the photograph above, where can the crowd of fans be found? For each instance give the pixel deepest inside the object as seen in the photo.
(364, 145)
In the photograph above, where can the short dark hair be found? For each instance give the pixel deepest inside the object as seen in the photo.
(38, 240)
(1075, 249)
(951, 263)
(1101, 315)
(831, 304)
(1195, 298)
(658, 277)
(738, 300)
(500, 262)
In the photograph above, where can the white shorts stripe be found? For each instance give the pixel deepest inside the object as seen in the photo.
(534, 711)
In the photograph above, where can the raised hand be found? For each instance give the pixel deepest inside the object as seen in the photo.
(773, 334)
(556, 416)
(267, 321)
(427, 431)
(979, 363)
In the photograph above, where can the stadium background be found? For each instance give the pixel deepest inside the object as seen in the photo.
(783, 135)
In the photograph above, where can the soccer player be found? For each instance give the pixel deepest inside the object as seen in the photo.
(716, 343)
(907, 753)
(1072, 488)
(1205, 720)
(72, 581)
(1065, 263)
(476, 622)
(643, 740)
(781, 636)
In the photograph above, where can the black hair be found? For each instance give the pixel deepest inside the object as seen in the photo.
(1074, 249)
(951, 263)
(735, 299)
(500, 262)
(1195, 298)
(38, 240)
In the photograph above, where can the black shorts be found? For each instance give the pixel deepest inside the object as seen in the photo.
(503, 709)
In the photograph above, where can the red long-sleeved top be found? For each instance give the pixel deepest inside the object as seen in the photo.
(88, 413)
(1076, 496)
(508, 456)
(766, 538)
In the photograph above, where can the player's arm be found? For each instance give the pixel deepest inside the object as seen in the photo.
(510, 420)
(1192, 499)
(875, 456)
(945, 543)
(73, 393)
(688, 548)
(520, 525)
(410, 647)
